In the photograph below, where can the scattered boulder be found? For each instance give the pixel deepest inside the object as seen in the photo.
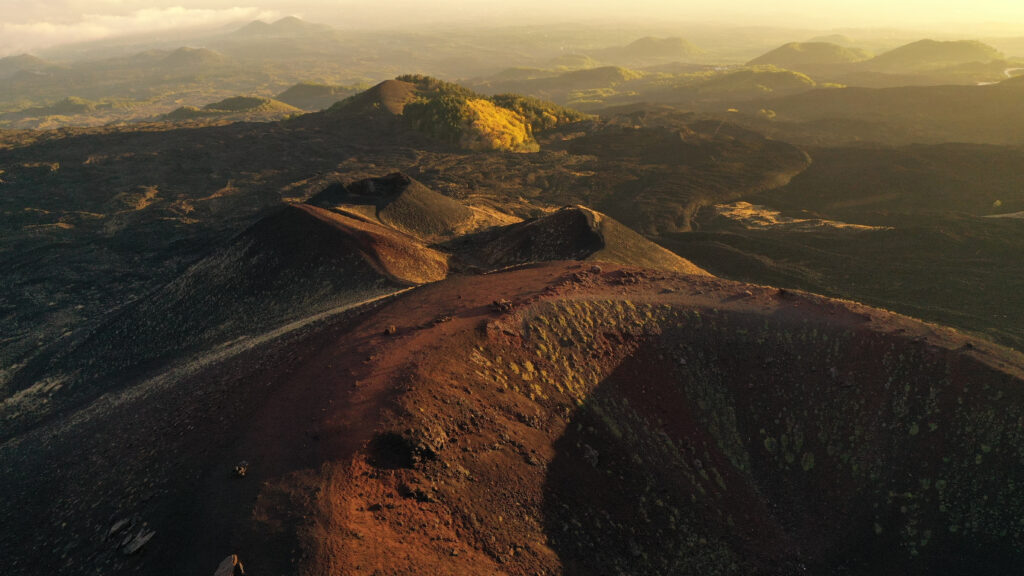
(141, 539)
(118, 526)
(502, 306)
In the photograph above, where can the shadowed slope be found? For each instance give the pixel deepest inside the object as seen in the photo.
(314, 97)
(897, 116)
(388, 97)
(400, 202)
(570, 233)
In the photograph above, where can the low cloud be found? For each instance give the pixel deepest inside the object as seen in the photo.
(27, 37)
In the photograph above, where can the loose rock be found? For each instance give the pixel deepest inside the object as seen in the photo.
(230, 566)
(138, 542)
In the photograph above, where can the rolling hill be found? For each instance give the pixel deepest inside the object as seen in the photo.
(192, 58)
(11, 65)
(572, 233)
(454, 115)
(314, 97)
(402, 203)
(931, 54)
(650, 49)
(235, 109)
(809, 55)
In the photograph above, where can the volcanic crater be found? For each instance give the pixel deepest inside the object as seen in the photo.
(597, 419)
(621, 421)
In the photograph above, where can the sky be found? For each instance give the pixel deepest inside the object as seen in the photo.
(32, 25)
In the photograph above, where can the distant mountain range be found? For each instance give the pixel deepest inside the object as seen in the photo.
(285, 27)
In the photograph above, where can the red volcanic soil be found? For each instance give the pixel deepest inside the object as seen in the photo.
(604, 420)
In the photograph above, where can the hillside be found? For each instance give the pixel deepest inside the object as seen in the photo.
(651, 49)
(472, 124)
(193, 58)
(752, 83)
(298, 262)
(560, 86)
(930, 54)
(70, 110)
(698, 162)
(66, 107)
(455, 115)
(289, 26)
(572, 233)
(813, 55)
(687, 86)
(314, 97)
(11, 65)
(302, 261)
(917, 114)
(400, 202)
(626, 420)
(389, 97)
(236, 109)
(912, 180)
(922, 240)
(114, 213)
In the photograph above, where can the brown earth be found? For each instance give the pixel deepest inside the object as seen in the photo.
(598, 422)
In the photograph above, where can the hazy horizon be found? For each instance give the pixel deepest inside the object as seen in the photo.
(49, 23)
